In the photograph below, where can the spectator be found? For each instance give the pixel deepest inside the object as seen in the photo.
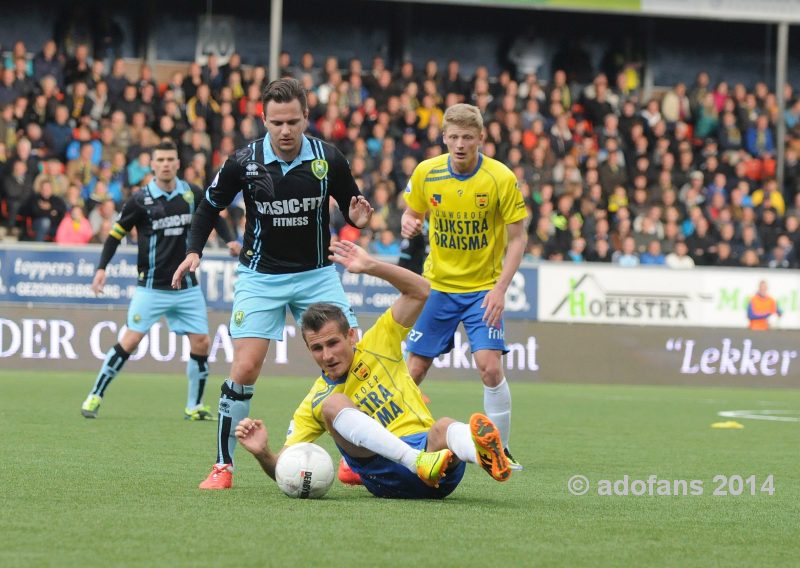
(52, 172)
(778, 258)
(576, 250)
(79, 104)
(82, 170)
(679, 258)
(58, 133)
(724, 255)
(627, 256)
(46, 211)
(101, 220)
(74, 229)
(653, 254)
(769, 197)
(675, 106)
(759, 140)
(386, 244)
(77, 68)
(47, 63)
(18, 189)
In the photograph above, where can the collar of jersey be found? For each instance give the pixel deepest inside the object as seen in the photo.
(340, 381)
(181, 187)
(306, 154)
(464, 177)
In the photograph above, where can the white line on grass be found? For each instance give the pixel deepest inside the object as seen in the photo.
(772, 415)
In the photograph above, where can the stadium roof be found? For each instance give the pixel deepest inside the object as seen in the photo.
(774, 11)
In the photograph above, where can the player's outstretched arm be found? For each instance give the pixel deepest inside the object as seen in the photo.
(252, 435)
(189, 264)
(413, 288)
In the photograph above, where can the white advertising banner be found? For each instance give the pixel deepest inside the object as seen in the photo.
(747, 10)
(597, 293)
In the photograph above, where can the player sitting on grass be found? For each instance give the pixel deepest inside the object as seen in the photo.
(367, 400)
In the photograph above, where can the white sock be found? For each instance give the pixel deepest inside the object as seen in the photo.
(497, 405)
(459, 440)
(364, 432)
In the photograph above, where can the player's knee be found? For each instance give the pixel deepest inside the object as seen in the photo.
(418, 367)
(333, 405)
(245, 371)
(200, 344)
(437, 435)
(130, 341)
(492, 375)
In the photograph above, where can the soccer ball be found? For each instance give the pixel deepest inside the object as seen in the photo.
(304, 471)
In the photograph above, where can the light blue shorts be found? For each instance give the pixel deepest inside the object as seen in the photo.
(433, 333)
(185, 310)
(260, 300)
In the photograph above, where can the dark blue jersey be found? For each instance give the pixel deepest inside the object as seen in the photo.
(287, 205)
(162, 222)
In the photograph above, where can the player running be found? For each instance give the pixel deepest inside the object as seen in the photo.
(161, 212)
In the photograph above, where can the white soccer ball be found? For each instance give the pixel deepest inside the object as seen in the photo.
(304, 471)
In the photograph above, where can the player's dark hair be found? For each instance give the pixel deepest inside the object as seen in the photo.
(317, 315)
(285, 91)
(165, 144)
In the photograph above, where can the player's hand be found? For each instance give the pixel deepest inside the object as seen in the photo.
(234, 248)
(252, 434)
(410, 227)
(98, 282)
(360, 211)
(494, 303)
(189, 264)
(354, 258)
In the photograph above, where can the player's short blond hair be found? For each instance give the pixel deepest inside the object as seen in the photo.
(463, 116)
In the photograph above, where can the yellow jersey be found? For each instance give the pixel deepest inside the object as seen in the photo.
(378, 383)
(468, 218)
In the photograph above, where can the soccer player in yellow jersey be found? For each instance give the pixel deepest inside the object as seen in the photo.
(368, 402)
(477, 239)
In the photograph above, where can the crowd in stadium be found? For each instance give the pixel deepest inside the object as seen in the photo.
(683, 179)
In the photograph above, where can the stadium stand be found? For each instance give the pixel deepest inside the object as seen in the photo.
(594, 160)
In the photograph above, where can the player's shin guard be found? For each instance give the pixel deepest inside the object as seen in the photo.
(115, 359)
(497, 405)
(197, 373)
(234, 405)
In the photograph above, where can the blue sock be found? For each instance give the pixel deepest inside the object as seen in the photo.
(197, 373)
(115, 359)
(234, 405)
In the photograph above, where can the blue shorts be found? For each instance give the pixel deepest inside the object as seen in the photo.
(260, 300)
(433, 333)
(384, 478)
(185, 310)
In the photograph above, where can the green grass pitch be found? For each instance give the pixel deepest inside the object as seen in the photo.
(122, 490)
